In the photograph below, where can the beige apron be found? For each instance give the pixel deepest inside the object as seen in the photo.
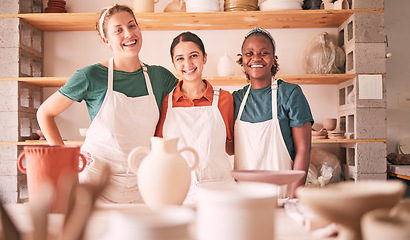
(260, 146)
(122, 124)
(203, 129)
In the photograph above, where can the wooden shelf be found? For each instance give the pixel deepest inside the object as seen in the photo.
(347, 140)
(199, 21)
(216, 81)
(41, 142)
(80, 142)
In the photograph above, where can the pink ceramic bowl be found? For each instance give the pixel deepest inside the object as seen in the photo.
(283, 177)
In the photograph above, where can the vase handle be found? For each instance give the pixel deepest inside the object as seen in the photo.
(196, 162)
(20, 163)
(84, 162)
(133, 162)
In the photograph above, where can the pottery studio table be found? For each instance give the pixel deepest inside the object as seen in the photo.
(286, 228)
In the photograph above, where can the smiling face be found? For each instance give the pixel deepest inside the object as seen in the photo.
(189, 61)
(123, 35)
(258, 57)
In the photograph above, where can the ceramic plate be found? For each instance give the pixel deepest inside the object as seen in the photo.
(404, 146)
(268, 176)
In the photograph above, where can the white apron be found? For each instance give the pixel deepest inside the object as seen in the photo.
(121, 124)
(260, 146)
(203, 129)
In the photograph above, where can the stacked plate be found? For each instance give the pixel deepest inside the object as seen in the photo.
(55, 6)
(269, 5)
(241, 5)
(202, 6)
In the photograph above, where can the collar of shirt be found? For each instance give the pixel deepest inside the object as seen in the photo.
(206, 96)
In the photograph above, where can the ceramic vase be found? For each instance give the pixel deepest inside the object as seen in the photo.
(226, 66)
(144, 5)
(176, 6)
(164, 176)
(50, 164)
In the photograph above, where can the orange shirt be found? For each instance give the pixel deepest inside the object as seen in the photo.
(225, 106)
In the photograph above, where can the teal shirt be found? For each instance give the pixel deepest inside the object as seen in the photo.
(293, 108)
(90, 84)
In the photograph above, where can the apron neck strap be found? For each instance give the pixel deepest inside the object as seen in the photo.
(110, 74)
(274, 87)
(217, 92)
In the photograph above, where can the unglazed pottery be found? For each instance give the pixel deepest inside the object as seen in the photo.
(226, 66)
(382, 224)
(164, 176)
(330, 123)
(345, 203)
(176, 6)
(144, 5)
(237, 211)
(283, 177)
(50, 164)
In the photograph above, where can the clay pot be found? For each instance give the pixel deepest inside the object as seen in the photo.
(176, 6)
(50, 165)
(380, 224)
(144, 5)
(330, 124)
(345, 203)
(164, 176)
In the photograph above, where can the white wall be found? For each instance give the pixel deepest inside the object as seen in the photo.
(65, 52)
(397, 19)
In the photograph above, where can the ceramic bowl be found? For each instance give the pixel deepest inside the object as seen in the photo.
(83, 131)
(345, 202)
(330, 123)
(283, 177)
(381, 224)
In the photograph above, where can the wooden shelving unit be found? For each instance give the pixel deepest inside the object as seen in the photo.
(198, 21)
(217, 81)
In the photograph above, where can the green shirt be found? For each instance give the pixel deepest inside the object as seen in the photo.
(90, 84)
(293, 108)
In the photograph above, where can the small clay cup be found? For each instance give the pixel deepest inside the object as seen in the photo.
(330, 123)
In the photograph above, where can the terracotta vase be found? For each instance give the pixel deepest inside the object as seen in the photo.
(50, 164)
(164, 176)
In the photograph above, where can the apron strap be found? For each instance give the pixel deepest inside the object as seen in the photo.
(170, 98)
(110, 86)
(217, 92)
(274, 87)
(243, 103)
(147, 79)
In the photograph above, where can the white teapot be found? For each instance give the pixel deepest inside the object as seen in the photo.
(164, 176)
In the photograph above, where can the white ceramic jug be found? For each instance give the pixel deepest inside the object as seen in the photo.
(164, 177)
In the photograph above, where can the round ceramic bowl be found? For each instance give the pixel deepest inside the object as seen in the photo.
(345, 202)
(283, 177)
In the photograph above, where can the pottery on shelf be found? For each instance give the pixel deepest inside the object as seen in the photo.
(144, 5)
(226, 66)
(330, 124)
(176, 6)
(345, 203)
(164, 176)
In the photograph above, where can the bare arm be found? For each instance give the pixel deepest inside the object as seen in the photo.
(52, 107)
(302, 139)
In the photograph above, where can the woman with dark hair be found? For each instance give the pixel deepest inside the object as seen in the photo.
(200, 115)
(123, 96)
(273, 118)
